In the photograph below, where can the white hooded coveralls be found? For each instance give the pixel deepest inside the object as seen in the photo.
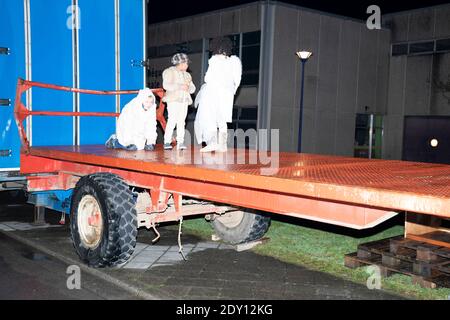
(215, 99)
(135, 124)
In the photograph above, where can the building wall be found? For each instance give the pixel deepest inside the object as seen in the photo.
(414, 78)
(239, 19)
(347, 73)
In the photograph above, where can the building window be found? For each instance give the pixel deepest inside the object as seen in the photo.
(421, 47)
(443, 45)
(399, 49)
(251, 49)
(251, 38)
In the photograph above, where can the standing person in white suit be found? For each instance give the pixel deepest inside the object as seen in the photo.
(136, 126)
(216, 97)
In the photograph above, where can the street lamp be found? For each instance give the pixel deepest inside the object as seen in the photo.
(303, 56)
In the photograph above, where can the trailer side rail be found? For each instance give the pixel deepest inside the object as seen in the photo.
(21, 112)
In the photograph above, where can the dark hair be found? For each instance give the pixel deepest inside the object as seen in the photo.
(222, 45)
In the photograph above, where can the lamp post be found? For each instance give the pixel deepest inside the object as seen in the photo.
(303, 56)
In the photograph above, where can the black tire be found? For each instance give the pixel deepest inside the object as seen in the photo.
(252, 226)
(117, 206)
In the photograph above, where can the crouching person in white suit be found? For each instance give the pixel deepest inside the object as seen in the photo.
(136, 126)
(215, 99)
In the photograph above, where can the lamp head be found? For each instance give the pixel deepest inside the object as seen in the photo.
(304, 55)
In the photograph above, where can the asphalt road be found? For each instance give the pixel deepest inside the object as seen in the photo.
(26, 273)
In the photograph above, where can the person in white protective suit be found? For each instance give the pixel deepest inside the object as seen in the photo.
(136, 126)
(216, 96)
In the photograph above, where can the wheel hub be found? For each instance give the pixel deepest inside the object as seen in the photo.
(231, 219)
(90, 222)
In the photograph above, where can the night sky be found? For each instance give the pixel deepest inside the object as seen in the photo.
(163, 10)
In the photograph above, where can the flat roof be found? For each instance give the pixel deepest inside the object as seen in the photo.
(438, 6)
(277, 3)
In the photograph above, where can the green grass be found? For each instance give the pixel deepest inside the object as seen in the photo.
(316, 247)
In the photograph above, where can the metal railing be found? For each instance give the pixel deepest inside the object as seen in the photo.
(21, 112)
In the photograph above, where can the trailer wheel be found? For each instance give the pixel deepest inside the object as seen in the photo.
(103, 220)
(241, 226)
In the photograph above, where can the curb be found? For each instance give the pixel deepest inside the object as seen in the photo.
(95, 272)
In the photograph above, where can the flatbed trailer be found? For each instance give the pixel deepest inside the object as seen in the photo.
(238, 196)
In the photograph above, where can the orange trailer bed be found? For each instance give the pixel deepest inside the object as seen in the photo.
(352, 192)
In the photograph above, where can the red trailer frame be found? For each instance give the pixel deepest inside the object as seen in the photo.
(350, 192)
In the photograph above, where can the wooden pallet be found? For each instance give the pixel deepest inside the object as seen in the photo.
(428, 265)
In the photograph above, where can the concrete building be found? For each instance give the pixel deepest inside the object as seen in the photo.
(419, 79)
(351, 75)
